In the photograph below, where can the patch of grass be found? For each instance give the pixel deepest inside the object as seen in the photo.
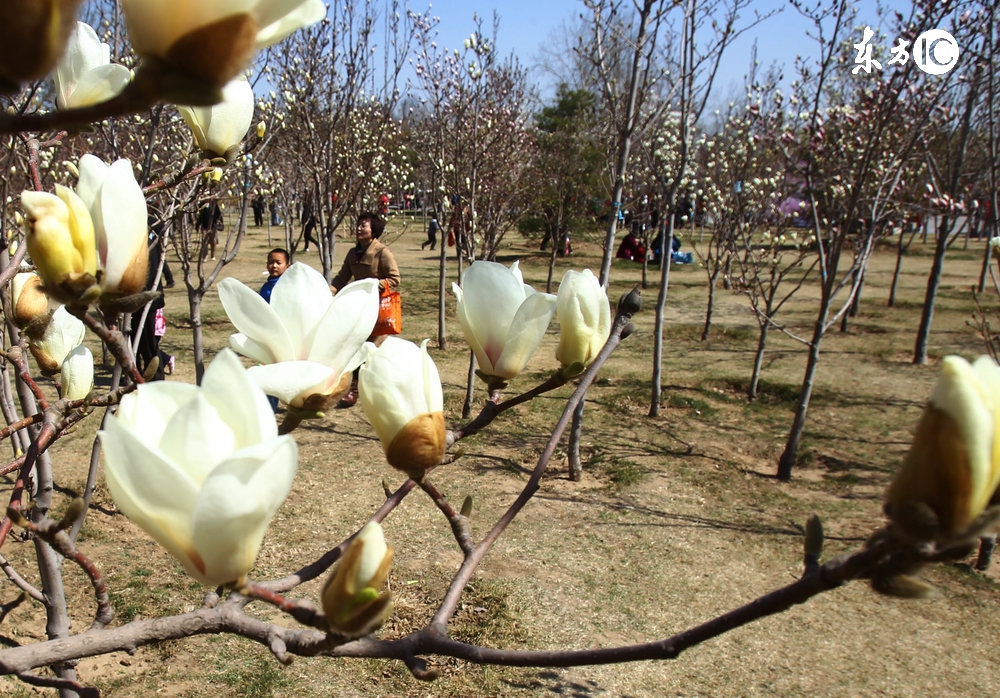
(620, 472)
(490, 615)
(699, 407)
(250, 671)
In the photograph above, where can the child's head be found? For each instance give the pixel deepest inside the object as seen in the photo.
(277, 262)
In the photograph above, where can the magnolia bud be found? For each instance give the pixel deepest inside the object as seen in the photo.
(350, 597)
(77, 373)
(33, 35)
(29, 298)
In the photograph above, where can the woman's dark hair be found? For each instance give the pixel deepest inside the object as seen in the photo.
(377, 224)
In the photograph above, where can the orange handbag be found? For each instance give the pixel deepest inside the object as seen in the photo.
(390, 314)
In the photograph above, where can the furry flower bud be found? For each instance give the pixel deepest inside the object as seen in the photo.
(351, 599)
(29, 299)
(400, 392)
(214, 41)
(32, 37)
(953, 467)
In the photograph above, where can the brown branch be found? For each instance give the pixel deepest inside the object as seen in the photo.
(326, 561)
(459, 523)
(16, 357)
(620, 327)
(493, 408)
(19, 581)
(54, 533)
(61, 684)
(114, 340)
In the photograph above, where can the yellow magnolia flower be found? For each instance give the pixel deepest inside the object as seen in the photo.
(351, 599)
(401, 395)
(61, 241)
(118, 210)
(953, 467)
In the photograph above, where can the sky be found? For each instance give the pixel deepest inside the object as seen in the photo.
(529, 26)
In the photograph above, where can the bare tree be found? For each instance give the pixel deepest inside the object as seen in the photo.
(853, 155)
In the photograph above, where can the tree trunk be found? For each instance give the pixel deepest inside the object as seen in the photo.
(896, 271)
(442, 290)
(987, 544)
(661, 302)
(576, 431)
(790, 455)
(470, 387)
(758, 361)
(197, 336)
(930, 296)
(712, 281)
(987, 254)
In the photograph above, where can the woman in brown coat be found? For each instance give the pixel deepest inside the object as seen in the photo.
(369, 259)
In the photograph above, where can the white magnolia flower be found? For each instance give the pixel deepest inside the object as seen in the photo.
(221, 127)
(584, 318)
(63, 334)
(77, 374)
(214, 41)
(200, 469)
(401, 395)
(351, 600)
(307, 340)
(953, 466)
(502, 318)
(118, 209)
(85, 74)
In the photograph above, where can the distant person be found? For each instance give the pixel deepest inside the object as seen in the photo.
(277, 264)
(308, 224)
(432, 231)
(258, 210)
(369, 259)
(631, 248)
(155, 325)
(210, 223)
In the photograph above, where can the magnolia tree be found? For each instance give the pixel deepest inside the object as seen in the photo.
(340, 145)
(203, 469)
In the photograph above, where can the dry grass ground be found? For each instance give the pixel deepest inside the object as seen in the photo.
(677, 519)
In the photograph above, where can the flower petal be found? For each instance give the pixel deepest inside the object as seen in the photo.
(345, 326)
(290, 379)
(239, 401)
(300, 300)
(526, 332)
(252, 316)
(156, 497)
(196, 433)
(236, 504)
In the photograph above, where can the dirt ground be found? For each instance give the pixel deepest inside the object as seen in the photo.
(678, 518)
